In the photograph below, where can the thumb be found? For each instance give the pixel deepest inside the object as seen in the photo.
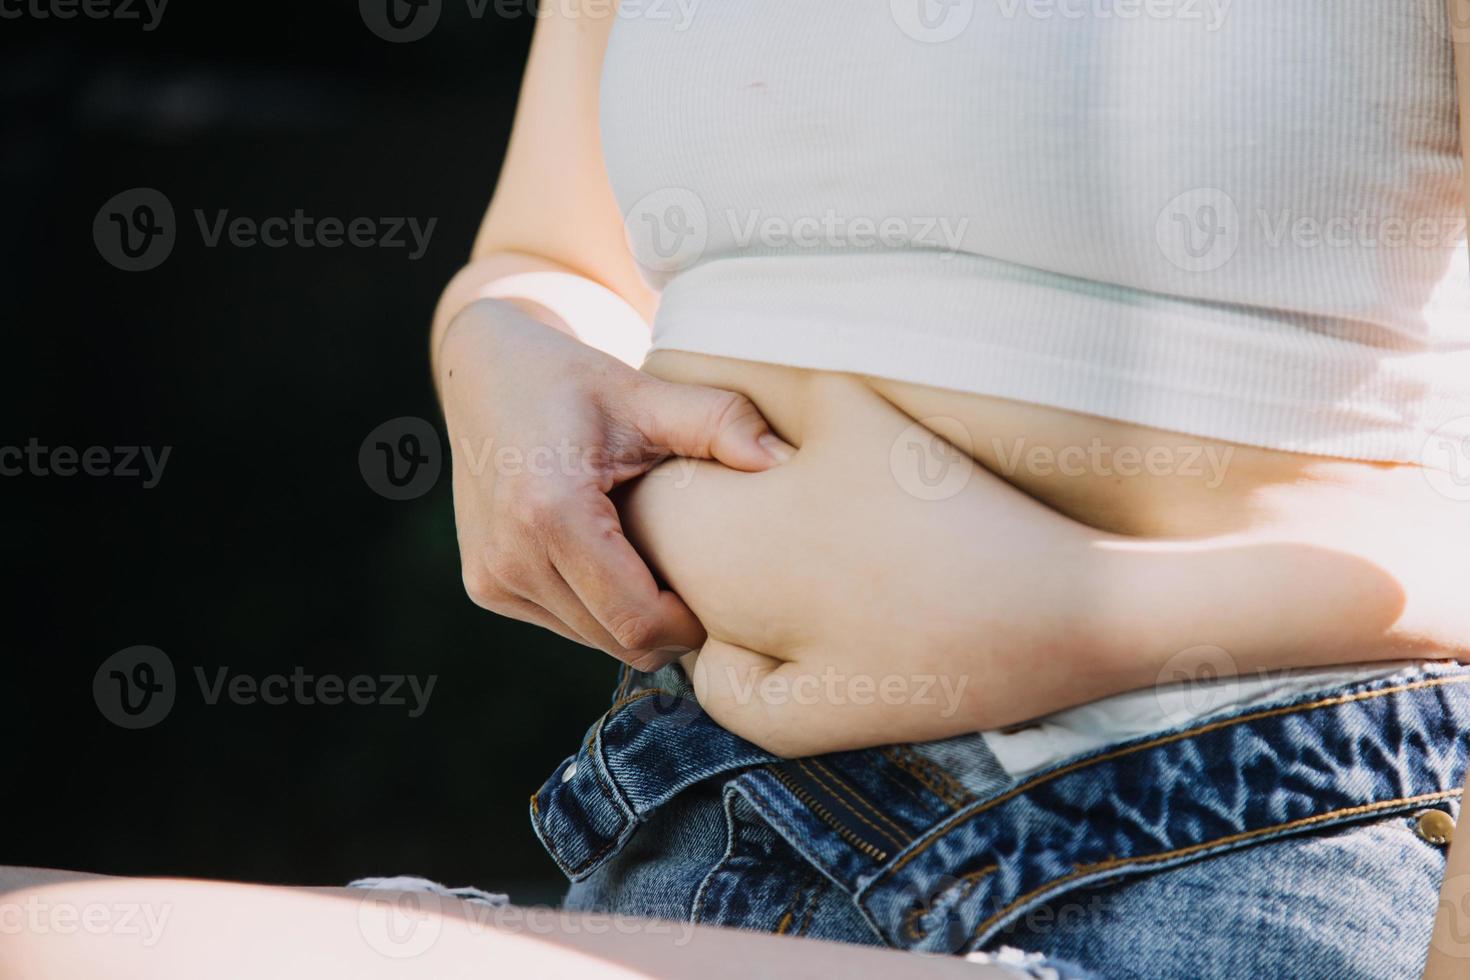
(708, 423)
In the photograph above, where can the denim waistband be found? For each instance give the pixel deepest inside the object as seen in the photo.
(936, 867)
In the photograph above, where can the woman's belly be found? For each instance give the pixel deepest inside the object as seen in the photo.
(932, 523)
(1110, 475)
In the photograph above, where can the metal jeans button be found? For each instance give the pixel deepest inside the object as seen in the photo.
(1435, 826)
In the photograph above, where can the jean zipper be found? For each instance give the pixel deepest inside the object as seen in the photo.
(809, 800)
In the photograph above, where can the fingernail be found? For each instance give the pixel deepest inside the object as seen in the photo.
(777, 449)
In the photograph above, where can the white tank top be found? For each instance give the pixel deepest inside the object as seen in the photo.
(1232, 218)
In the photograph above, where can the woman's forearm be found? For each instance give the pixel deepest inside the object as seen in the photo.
(548, 292)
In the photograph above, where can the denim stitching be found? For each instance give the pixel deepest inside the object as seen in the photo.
(971, 879)
(883, 771)
(896, 840)
(957, 818)
(811, 906)
(617, 706)
(788, 915)
(732, 833)
(1109, 865)
(947, 789)
(597, 778)
(856, 796)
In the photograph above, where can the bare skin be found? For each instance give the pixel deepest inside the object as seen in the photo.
(64, 925)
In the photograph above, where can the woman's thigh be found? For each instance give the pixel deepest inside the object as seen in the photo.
(64, 925)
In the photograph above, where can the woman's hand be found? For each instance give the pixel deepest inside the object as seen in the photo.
(844, 611)
(541, 429)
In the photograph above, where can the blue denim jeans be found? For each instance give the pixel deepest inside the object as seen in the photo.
(1275, 841)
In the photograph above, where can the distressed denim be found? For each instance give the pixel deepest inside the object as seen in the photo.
(1275, 841)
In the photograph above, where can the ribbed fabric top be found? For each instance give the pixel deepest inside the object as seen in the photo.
(1236, 218)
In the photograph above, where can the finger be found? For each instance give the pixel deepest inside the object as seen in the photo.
(651, 626)
(526, 611)
(561, 601)
(493, 594)
(708, 423)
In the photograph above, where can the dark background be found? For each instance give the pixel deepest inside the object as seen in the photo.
(263, 548)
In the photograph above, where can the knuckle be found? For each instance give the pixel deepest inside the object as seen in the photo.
(483, 587)
(633, 631)
(727, 409)
(535, 506)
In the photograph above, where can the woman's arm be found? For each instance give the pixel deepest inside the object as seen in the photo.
(1449, 949)
(553, 212)
(541, 425)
